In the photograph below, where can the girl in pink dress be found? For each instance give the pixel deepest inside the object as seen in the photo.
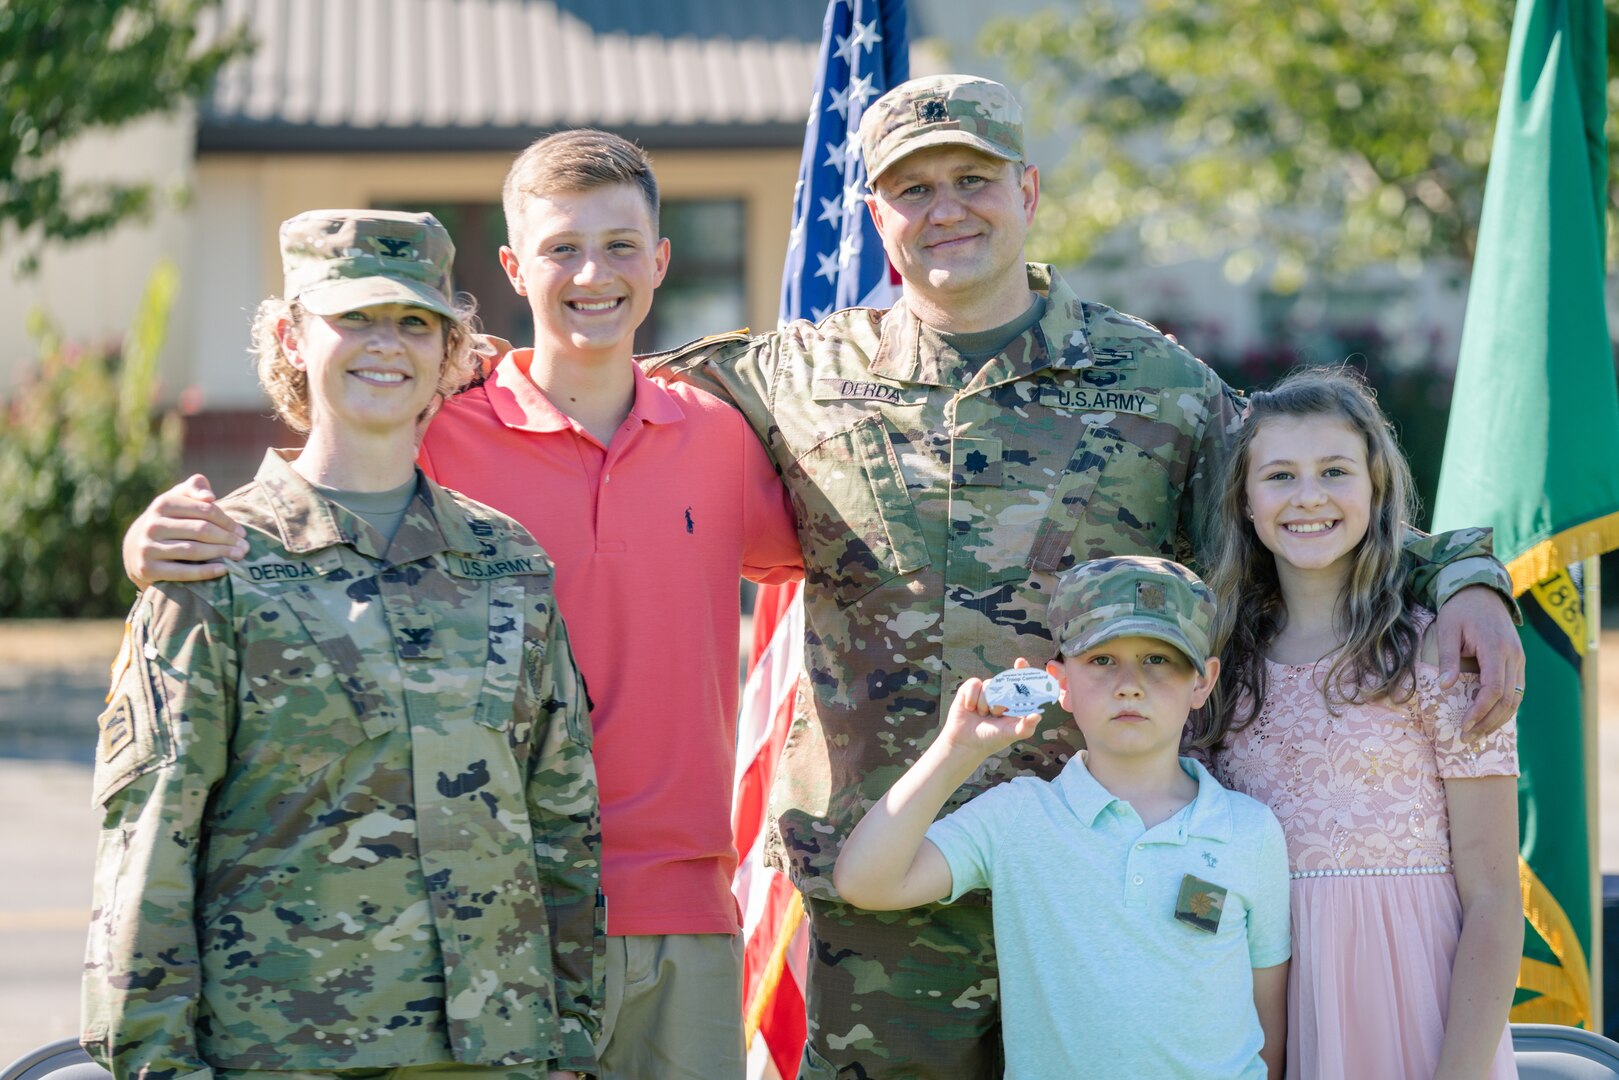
(1402, 831)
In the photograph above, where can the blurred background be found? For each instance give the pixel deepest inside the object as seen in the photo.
(1273, 184)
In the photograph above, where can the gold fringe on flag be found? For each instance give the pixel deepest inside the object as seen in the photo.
(1584, 541)
(791, 916)
(1564, 987)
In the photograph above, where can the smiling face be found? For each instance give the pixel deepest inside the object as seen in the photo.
(1309, 490)
(953, 221)
(372, 370)
(588, 264)
(1130, 696)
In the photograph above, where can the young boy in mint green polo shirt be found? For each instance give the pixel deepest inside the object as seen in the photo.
(1141, 910)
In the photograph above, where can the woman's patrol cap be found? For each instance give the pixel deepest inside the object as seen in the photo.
(1131, 596)
(338, 260)
(941, 110)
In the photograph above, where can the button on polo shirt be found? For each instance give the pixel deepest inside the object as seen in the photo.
(1097, 977)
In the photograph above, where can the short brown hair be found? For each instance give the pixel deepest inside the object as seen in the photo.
(581, 159)
(288, 386)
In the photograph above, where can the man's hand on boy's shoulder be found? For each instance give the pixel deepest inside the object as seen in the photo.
(182, 536)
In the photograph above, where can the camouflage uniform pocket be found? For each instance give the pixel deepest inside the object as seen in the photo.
(1113, 498)
(857, 521)
(310, 685)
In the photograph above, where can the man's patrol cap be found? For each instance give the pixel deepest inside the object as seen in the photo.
(1131, 596)
(941, 110)
(338, 260)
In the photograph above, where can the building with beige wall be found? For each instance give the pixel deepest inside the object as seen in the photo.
(421, 104)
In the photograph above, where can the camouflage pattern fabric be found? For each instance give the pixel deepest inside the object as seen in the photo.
(878, 1004)
(937, 500)
(350, 815)
(334, 261)
(1131, 595)
(941, 110)
(443, 1071)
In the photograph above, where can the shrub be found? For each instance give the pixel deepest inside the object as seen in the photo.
(83, 449)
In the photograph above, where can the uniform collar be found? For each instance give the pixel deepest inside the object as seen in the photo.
(519, 404)
(1058, 342)
(307, 521)
(1208, 815)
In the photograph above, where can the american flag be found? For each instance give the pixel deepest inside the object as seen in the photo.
(834, 260)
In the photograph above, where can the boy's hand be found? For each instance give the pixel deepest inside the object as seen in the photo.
(977, 728)
(182, 536)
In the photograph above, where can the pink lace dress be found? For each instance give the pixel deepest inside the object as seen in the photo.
(1376, 915)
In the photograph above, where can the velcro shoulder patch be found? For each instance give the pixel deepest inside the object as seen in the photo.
(117, 728)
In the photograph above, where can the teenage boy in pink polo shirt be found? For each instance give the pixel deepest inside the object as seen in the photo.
(650, 499)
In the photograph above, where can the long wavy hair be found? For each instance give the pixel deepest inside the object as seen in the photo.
(1374, 615)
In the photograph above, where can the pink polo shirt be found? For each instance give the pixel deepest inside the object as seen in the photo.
(649, 536)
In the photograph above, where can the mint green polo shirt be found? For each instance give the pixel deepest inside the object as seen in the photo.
(1098, 979)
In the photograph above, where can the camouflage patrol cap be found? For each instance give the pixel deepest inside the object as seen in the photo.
(941, 110)
(338, 260)
(1131, 596)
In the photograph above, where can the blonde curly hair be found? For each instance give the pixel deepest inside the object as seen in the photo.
(288, 386)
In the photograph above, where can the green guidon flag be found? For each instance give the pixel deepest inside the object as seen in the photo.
(1533, 450)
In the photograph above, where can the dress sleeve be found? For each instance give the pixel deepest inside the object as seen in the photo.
(1495, 754)
(163, 747)
(566, 816)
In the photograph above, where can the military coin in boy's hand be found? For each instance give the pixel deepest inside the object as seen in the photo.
(1020, 691)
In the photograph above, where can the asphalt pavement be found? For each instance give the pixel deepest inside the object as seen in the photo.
(53, 679)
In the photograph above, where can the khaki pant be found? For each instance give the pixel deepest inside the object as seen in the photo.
(673, 1009)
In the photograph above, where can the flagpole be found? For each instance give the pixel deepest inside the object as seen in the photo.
(1591, 725)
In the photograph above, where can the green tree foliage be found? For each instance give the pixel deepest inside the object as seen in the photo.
(71, 66)
(82, 451)
(1294, 138)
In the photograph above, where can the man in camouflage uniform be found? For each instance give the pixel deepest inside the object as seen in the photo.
(350, 816)
(947, 459)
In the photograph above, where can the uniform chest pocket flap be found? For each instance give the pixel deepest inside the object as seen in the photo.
(315, 686)
(859, 526)
(1113, 498)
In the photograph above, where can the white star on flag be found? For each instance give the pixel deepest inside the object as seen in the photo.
(848, 248)
(837, 155)
(828, 267)
(848, 46)
(866, 34)
(853, 196)
(861, 90)
(832, 211)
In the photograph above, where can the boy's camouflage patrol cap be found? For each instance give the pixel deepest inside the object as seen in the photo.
(338, 260)
(1131, 596)
(941, 110)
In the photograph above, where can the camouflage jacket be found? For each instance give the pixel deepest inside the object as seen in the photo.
(936, 500)
(350, 816)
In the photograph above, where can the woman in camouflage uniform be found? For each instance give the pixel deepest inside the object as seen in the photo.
(351, 823)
